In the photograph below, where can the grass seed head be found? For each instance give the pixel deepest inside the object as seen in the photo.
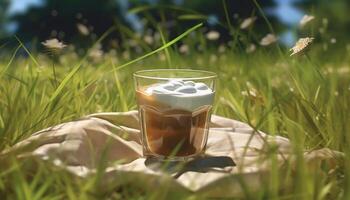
(83, 29)
(213, 35)
(247, 22)
(301, 44)
(251, 48)
(305, 20)
(54, 45)
(268, 40)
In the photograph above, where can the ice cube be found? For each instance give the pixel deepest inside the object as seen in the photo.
(158, 90)
(176, 83)
(170, 87)
(201, 86)
(190, 83)
(186, 89)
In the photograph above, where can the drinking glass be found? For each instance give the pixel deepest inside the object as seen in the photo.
(174, 111)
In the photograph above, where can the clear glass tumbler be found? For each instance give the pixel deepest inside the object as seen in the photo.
(174, 109)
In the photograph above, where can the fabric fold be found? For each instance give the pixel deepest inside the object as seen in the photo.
(235, 154)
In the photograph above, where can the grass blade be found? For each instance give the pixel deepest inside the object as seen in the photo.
(162, 47)
(77, 67)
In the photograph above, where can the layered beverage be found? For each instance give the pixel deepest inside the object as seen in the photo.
(174, 117)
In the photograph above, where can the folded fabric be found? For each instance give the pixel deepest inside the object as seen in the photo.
(235, 154)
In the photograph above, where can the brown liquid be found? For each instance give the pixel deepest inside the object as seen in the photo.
(172, 132)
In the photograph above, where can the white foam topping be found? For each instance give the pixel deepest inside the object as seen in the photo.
(185, 95)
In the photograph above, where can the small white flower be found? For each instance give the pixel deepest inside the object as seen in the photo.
(317, 118)
(301, 44)
(126, 55)
(251, 48)
(184, 49)
(247, 22)
(96, 53)
(306, 19)
(83, 29)
(268, 39)
(213, 58)
(343, 70)
(251, 92)
(333, 40)
(148, 39)
(221, 48)
(54, 44)
(213, 35)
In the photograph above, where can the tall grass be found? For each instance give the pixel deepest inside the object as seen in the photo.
(266, 89)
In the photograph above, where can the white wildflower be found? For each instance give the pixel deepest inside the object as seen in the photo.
(148, 39)
(126, 55)
(221, 48)
(54, 45)
(317, 118)
(213, 58)
(251, 48)
(96, 53)
(213, 35)
(251, 92)
(306, 19)
(268, 39)
(184, 49)
(247, 22)
(343, 70)
(301, 44)
(333, 40)
(83, 29)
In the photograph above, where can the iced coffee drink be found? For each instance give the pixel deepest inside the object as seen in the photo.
(174, 117)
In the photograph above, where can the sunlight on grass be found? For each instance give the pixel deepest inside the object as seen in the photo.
(272, 92)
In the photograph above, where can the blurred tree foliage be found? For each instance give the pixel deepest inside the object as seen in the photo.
(180, 16)
(61, 18)
(3, 7)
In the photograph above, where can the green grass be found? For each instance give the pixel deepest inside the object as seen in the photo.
(291, 99)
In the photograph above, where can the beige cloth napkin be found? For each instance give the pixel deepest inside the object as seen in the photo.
(80, 146)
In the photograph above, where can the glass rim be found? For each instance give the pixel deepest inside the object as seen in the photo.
(206, 74)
